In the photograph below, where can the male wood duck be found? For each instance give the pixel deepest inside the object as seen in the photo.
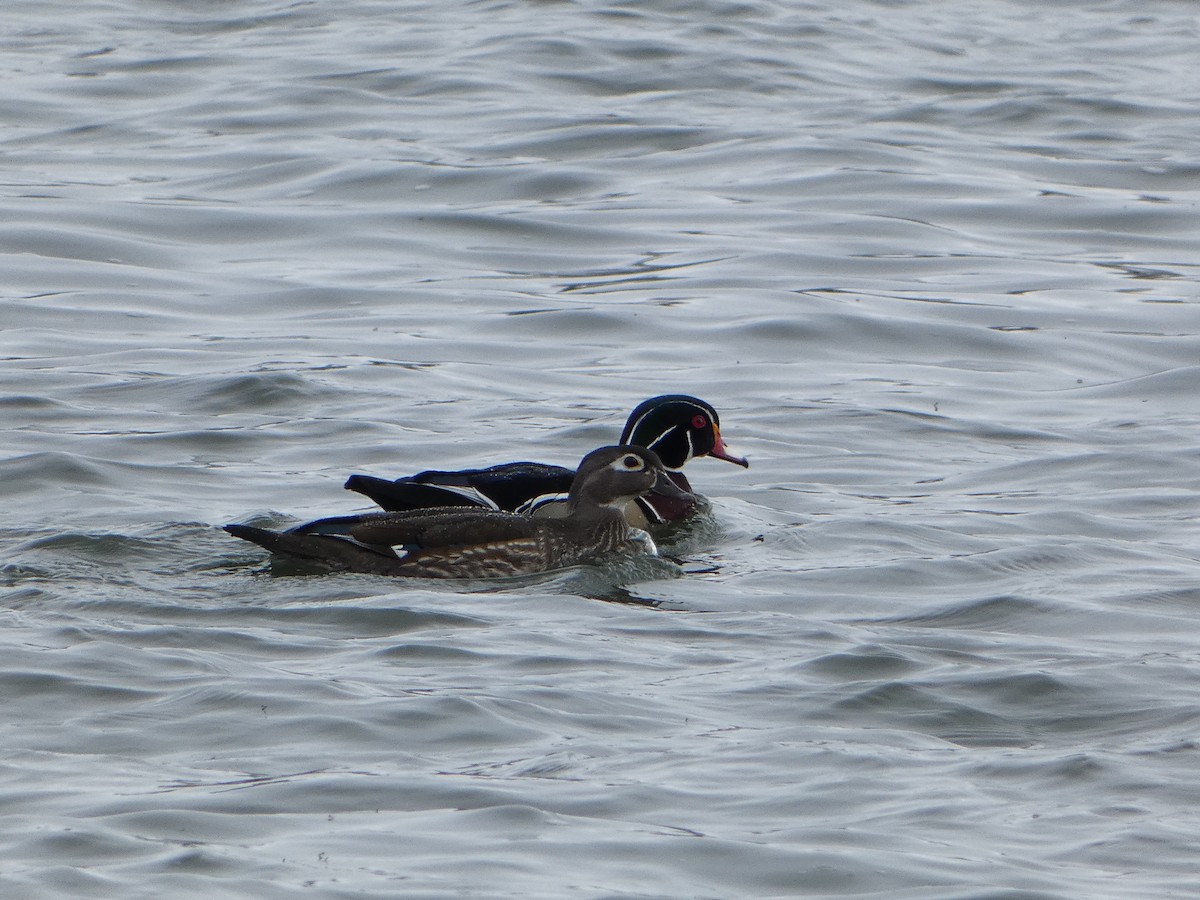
(486, 543)
(675, 426)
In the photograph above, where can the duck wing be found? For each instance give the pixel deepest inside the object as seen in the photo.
(446, 543)
(427, 530)
(404, 494)
(439, 544)
(505, 486)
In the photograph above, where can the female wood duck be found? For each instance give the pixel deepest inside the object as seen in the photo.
(487, 543)
(675, 426)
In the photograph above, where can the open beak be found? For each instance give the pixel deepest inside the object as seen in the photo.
(720, 452)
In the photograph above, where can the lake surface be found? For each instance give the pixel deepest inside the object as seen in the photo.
(937, 266)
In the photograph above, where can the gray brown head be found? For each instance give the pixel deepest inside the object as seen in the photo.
(613, 476)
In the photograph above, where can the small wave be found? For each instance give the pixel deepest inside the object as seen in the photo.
(997, 613)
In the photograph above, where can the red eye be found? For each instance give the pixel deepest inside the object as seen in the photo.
(699, 422)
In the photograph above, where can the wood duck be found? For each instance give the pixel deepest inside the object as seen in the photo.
(675, 426)
(486, 543)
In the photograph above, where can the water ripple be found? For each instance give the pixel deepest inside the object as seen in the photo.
(936, 272)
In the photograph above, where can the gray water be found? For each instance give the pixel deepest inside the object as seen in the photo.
(935, 263)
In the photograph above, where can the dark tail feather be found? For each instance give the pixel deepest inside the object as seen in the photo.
(332, 551)
(285, 544)
(401, 496)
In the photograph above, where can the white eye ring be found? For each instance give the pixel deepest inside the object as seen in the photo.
(632, 462)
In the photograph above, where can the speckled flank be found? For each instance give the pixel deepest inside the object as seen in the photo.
(550, 551)
(490, 560)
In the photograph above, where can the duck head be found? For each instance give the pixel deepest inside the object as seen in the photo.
(613, 476)
(678, 427)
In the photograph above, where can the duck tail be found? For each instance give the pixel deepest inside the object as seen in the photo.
(332, 551)
(406, 494)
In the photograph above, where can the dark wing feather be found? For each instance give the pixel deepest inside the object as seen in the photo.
(505, 486)
(405, 494)
(443, 529)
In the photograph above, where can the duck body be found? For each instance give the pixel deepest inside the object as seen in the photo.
(677, 427)
(455, 542)
(508, 486)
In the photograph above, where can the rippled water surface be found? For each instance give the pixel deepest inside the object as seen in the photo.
(935, 263)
